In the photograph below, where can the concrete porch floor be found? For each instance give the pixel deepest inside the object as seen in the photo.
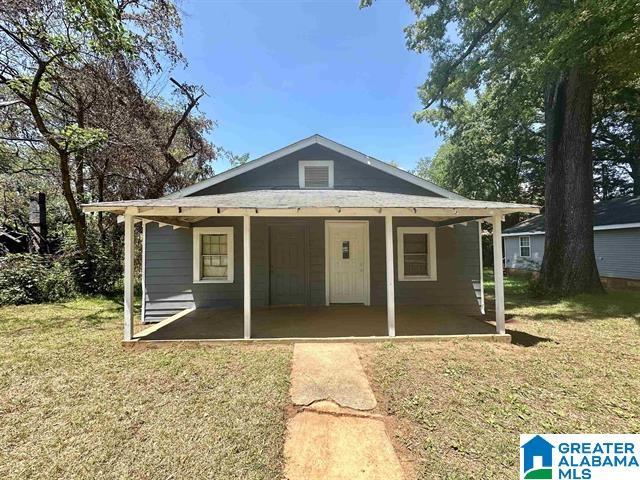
(319, 322)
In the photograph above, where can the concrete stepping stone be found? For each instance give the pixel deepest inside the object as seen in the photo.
(329, 371)
(322, 446)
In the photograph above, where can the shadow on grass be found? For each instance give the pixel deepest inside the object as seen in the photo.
(524, 339)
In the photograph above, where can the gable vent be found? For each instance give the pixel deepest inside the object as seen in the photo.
(316, 174)
(316, 177)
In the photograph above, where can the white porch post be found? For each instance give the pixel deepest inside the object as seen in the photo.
(497, 273)
(246, 262)
(391, 301)
(128, 276)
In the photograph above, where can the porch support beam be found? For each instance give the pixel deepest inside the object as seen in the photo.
(246, 262)
(168, 221)
(128, 276)
(391, 301)
(498, 273)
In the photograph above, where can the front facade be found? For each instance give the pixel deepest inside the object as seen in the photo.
(311, 261)
(616, 239)
(313, 224)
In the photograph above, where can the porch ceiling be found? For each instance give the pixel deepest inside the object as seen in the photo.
(319, 322)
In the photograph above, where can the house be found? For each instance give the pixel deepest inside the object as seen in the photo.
(616, 242)
(313, 240)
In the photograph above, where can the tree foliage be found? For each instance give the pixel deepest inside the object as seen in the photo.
(558, 54)
(84, 108)
(488, 154)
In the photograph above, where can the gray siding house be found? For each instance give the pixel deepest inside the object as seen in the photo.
(616, 242)
(315, 225)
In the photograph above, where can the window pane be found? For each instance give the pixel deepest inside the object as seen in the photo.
(415, 243)
(214, 244)
(416, 265)
(214, 258)
(214, 272)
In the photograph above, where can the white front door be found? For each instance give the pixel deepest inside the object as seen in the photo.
(347, 262)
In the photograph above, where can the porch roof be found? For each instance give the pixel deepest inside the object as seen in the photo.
(310, 199)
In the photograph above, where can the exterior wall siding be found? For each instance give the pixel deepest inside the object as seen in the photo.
(349, 174)
(617, 252)
(169, 286)
(512, 253)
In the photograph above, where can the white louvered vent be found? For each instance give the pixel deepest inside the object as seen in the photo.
(316, 174)
(316, 177)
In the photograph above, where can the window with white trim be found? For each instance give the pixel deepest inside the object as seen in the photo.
(525, 246)
(315, 174)
(417, 254)
(213, 255)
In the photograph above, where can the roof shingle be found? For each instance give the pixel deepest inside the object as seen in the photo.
(618, 211)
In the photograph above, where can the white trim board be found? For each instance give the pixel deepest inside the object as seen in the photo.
(303, 164)
(306, 142)
(433, 267)
(614, 226)
(197, 238)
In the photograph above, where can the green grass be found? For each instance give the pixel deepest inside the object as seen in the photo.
(74, 404)
(461, 406)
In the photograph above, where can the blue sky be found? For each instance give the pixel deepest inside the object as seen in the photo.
(280, 70)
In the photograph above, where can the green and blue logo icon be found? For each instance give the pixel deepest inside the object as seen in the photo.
(580, 457)
(536, 459)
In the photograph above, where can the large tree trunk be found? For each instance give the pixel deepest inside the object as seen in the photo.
(634, 161)
(569, 264)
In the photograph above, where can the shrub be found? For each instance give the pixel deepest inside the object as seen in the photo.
(31, 278)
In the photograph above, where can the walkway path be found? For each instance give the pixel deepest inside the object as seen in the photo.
(335, 435)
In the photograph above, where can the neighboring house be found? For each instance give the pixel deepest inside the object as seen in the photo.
(616, 241)
(312, 224)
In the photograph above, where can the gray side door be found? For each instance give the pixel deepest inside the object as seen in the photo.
(288, 258)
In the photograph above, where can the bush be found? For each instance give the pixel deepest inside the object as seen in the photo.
(99, 270)
(31, 278)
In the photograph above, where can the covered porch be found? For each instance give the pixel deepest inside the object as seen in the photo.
(327, 322)
(253, 322)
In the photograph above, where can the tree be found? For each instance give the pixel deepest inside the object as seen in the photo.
(488, 153)
(63, 64)
(559, 52)
(75, 81)
(617, 141)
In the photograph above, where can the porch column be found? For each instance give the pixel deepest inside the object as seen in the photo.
(246, 262)
(391, 301)
(497, 273)
(128, 276)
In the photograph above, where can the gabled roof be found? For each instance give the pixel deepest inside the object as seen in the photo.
(607, 215)
(306, 142)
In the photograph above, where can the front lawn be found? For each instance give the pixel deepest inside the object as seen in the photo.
(74, 404)
(461, 406)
